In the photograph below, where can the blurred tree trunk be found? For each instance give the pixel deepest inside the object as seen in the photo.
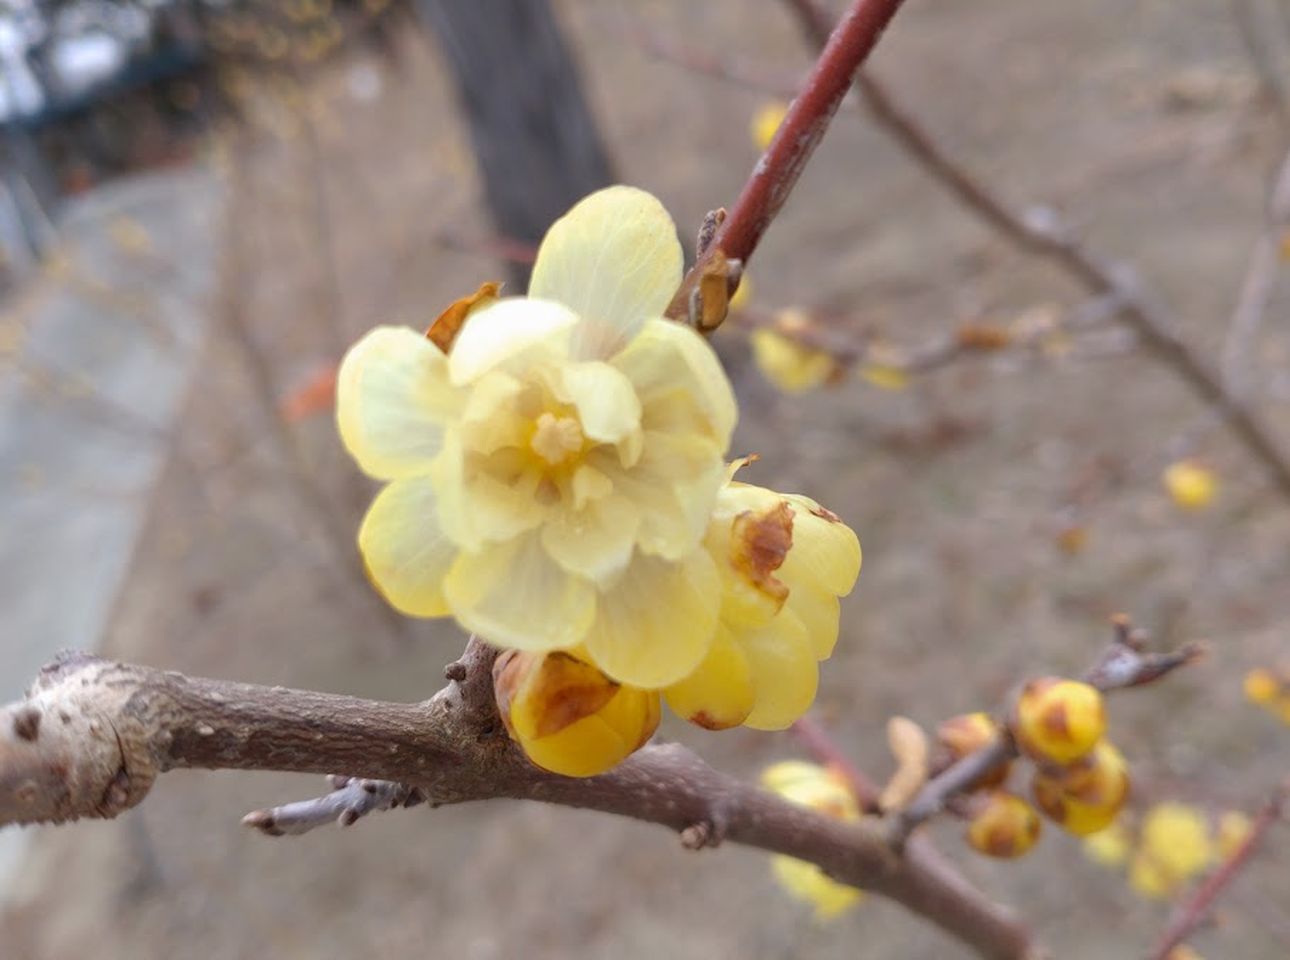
(536, 142)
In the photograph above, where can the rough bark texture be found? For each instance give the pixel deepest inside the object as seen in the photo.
(535, 139)
(92, 736)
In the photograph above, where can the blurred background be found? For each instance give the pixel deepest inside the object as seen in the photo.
(203, 203)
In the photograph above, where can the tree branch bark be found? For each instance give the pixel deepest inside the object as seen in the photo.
(92, 735)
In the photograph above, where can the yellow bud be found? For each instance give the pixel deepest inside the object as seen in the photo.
(1261, 686)
(1109, 847)
(1005, 827)
(1084, 797)
(966, 734)
(766, 121)
(790, 366)
(1175, 836)
(567, 716)
(1191, 485)
(1233, 829)
(720, 693)
(1058, 721)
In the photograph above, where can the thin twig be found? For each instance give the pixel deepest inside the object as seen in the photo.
(1122, 664)
(821, 745)
(1257, 286)
(350, 799)
(1196, 909)
(776, 173)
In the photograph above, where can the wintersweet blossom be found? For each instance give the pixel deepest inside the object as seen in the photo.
(784, 561)
(825, 792)
(551, 476)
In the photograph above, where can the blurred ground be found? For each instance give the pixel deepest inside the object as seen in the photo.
(1137, 119)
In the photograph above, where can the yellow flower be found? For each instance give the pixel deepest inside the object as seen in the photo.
(884, 377)
(567, 716)
(1110, 846)
(1085, 797)
(1176, 838)
(766, 121)
(1192, 485)
(1006, 827)
(789, 365)
(967, 733)
(552, 475)
(821, 790)
(1261, 686)
(1058, 721)
(783, 562)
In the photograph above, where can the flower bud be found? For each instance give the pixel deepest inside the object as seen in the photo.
(967, 733)
(1176, 838)
(1058, 721)
(1191, 485)
(1005, 827)
(1261, 686)
(1084, 797)
(567, 716)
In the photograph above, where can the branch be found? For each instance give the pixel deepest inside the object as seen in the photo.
(92, 736)
(1123, 664)
(351, 799)
(776, 173)
(1194, 912)
(1044, 234)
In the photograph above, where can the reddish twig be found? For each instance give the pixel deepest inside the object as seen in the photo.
(1195, 910)
(824, 748)
(775, 174)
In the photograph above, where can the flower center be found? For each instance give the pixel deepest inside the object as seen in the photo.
(556, 438)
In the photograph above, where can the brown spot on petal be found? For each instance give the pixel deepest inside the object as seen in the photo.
(708, 722)
(568, 690)
(758, 545)
(824, 513)
(449, 323)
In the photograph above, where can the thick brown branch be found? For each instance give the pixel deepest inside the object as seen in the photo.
(776, 173)
(92, 736)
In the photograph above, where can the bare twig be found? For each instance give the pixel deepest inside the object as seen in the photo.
(350, 799)
(1258, 285)
(775, 174)
(821, 745)
(92, 736)
(1124, 663)
(1195, 910)
(1263, 36)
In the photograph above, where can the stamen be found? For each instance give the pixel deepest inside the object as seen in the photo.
(556, 438)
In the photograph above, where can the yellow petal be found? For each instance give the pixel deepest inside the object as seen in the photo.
(513, 594)
(719, 694)
(392, 399)
(608, 408)
(595, 542)
(654, 626)
(675, 484)
(1176, 837)
(789, 365)
(615, 261)
(673, 368)
(485, 499)
(491, 418)
(820, 613)
(1110, 847)
(406, 552)
(784, 672)
(510, 334)
(600, 742)
(807, 882)
(826, 552)
(784, 775)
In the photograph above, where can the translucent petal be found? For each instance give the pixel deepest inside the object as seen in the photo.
(491, 418)
(596, 541)
(510, 334)
(677, 374)
(674, 484)
(513, 594)
(406, 552)
(615, 261)
(606, 401)
(826, 552)
(485, 499)
(719, 693)
(784, 672)
(654, 626)
(819, 612)
(392, 399)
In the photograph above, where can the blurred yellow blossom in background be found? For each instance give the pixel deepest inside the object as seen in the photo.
(765, 121)
(1191, 485)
